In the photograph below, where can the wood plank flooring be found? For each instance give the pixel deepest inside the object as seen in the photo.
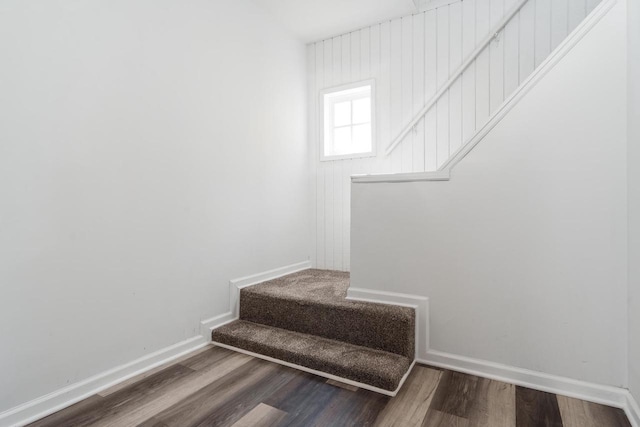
(218, 387)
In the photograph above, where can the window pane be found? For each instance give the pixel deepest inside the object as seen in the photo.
(362, 110)
(342, 113)
(341, 141)
(361, 138)
(347, 121)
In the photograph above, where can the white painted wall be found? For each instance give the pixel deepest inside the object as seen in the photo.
(523, 254)
(313, 20)
(634, 195)
(149, 152)
(411, 58)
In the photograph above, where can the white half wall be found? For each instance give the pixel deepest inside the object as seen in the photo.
(150, 151)
(523, 253)
(634, 195)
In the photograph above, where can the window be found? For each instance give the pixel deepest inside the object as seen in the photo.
(347, 122)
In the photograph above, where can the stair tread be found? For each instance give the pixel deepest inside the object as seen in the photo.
(314, 302)
(377, 368)
(322, 287)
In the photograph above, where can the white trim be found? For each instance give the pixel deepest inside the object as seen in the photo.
(495, 31)
(320, 373)
(402, 177)
(208, 325)
(236, 285)
(323, 92)
(543, 69)
(632, 409)
(254, 279)
(366, 155)
(606, 395)
(419, 303)
(67, 396)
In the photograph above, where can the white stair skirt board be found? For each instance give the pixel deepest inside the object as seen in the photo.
(67, 396)
(236, 285)
(596, 393)
(418, 303)
(208, 325)
(320, 373)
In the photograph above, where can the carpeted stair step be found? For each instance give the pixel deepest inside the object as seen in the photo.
(314, 302)
(380, 369)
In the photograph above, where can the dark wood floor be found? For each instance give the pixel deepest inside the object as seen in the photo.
(217, 387)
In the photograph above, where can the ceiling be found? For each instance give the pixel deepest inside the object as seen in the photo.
(313, 20)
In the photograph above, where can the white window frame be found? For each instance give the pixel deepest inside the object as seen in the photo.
(372, 153)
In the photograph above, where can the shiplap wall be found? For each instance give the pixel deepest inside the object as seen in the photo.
(410, 58)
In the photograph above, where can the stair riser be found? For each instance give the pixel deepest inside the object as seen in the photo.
(367, 329)
(377, 369)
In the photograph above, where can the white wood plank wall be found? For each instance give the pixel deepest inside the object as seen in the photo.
(410, 58)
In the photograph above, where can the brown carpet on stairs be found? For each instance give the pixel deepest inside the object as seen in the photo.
(374, 367)
(305, 319)
(314, 302)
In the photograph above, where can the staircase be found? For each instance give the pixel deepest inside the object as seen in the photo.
(304, 320)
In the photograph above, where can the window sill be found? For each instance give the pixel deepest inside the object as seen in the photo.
(347, 157)
(402, 177)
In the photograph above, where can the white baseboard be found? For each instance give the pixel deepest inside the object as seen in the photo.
(320, 373)
(632, 409)
(420, 304)
(606, 395)
(67, 396)
(602, 394)
(236, 285)
(208, 325)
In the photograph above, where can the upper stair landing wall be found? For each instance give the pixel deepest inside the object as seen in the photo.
(523, 253)
(410, 59)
